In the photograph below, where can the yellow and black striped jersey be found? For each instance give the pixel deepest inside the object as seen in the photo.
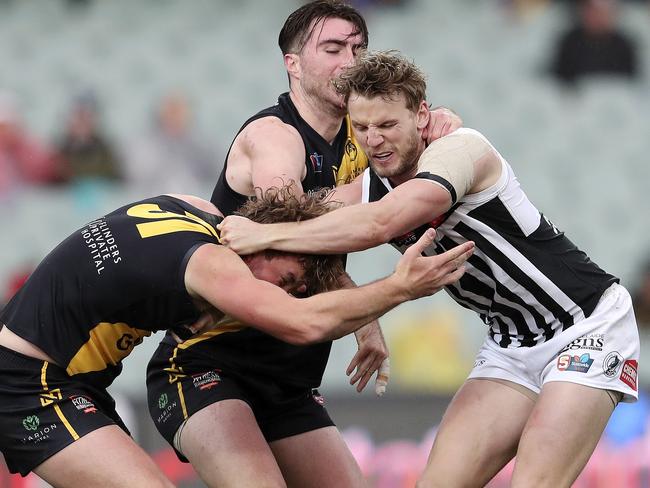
(111, 283)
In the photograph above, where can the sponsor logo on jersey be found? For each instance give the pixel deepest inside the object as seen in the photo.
(612, 363)
(629, 372)
(581, 364)
(593, 342)
(84, 404)
(351, 149)
(207, 380)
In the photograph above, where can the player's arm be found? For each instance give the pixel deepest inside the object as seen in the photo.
(350, 193)
(463, 162)
(275, 152)
(220, 277)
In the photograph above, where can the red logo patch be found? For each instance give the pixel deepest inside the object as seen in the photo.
(628, 375)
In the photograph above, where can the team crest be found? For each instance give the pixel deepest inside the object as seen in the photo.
(316, 162)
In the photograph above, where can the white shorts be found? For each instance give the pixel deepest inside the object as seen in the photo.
(601, 351)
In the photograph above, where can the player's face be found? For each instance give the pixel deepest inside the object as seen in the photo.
(389, 133)
(287, 272)
(328, 51)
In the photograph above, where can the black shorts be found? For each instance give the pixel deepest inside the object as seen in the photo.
(43, 410)
(180, 383)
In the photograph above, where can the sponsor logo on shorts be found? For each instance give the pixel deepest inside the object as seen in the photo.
(612, 363)
(318, 398)
(628, 374)
(49, 397)
(84, 404)
(207, 380)
(31, 422)
(479, 362)
(37, 432)
(592, 342)
(581, 364)
(163, 400)
(166, 408)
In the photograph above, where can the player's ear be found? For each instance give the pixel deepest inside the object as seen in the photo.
(422, 116)
(292, 63)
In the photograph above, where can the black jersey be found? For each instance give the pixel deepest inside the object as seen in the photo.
(111, 283)
(526, 279)
(327, 165)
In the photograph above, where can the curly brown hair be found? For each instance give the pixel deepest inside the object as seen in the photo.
(385, 74)
(282, 204)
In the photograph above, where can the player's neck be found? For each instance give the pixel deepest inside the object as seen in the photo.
(323, 118)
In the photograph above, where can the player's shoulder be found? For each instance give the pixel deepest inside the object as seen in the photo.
(197, 202)
(270, 126)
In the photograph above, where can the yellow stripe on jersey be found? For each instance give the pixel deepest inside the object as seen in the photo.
(49, 396)
(354, 160)
(168, 222)
(108, 345)
(160, 227)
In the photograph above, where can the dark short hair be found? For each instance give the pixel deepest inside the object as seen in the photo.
(281, 204)
(300, 24)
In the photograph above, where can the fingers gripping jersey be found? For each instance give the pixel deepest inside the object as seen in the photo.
(111, 283)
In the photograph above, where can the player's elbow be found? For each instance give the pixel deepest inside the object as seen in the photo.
(303, 334)
(381, 231)
(310, 328)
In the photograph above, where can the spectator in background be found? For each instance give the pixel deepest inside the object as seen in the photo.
(83, 151)
(172, 155)
(23, 159)
(595, 45)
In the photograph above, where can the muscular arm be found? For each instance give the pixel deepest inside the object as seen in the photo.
(220, 277)
(266, 153)
(362, 226)
(410, 205)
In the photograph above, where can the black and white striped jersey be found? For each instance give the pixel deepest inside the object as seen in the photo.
(526, 279)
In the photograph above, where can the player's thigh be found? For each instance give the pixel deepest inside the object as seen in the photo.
(561, 434)
(478, 434)
(106, 457)
(318, 458)
(226, 447)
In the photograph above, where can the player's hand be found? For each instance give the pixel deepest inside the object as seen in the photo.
(371, 357)
(442, 121)
(206, 322)
(420, 276)
(241, 235)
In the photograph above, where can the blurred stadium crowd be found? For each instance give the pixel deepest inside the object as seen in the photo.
(103, 102)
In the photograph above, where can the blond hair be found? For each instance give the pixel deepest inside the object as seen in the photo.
(386, 74)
